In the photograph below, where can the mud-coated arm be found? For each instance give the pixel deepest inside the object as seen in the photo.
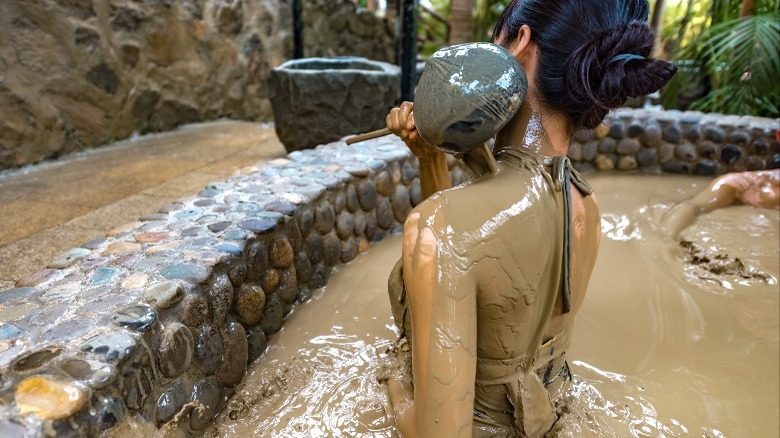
(443, 314)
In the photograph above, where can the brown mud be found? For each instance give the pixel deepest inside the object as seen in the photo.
(657, 350)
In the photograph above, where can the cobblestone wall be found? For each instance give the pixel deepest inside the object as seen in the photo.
(338, 28)
(678, 142)
(170, 309)
(165, 313)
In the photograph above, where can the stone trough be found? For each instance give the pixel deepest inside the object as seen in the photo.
(319, 100)
(164, 314)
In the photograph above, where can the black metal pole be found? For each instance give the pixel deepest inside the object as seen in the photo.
(297, 10)
(408, 48)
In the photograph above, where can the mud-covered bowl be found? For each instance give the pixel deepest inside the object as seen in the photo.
(466, 94)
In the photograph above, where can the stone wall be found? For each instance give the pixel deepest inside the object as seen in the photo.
(81, 73)
(679, 142)
(165, 313)
(338, 28)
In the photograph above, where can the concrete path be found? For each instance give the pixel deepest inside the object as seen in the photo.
(48, 208)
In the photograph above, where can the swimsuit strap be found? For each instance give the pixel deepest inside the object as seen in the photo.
(563, 176)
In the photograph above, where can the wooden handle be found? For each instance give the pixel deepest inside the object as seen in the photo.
(368, 135)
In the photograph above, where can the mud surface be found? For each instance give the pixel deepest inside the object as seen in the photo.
(659, 347)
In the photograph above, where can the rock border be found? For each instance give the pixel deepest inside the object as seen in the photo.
(165, 313)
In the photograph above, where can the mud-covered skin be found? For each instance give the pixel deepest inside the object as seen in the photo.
(467, 271)
(759, 188)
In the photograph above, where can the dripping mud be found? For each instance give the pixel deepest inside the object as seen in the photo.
(666, 344)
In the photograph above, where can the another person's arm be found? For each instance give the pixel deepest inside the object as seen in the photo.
(444, 343)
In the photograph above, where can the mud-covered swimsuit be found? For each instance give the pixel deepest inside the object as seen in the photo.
(512, 396)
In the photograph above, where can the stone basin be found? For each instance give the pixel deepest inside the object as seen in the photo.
(319, 100)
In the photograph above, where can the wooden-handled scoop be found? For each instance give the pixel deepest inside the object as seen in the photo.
(368, 136)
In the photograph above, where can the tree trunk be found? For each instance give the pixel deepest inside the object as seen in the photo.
(460, 20)
(747, 8)
(657, 23)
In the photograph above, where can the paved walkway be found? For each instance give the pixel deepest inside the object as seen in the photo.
(48, 208)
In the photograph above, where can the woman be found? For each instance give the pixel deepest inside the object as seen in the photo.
(494, 271)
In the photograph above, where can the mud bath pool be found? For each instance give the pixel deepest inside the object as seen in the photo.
(662, 347)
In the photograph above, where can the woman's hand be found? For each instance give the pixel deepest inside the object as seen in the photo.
(401, 122)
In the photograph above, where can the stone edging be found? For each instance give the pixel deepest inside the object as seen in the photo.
(170, 309)
(679, 142)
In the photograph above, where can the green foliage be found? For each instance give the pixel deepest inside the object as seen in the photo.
(734, 60)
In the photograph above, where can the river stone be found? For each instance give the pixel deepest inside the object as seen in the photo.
(270, 280)
(685, 151)
(628, 146)
(185, 271)
(34, 360)
(114, 346)
(176, 348)
(729, 154)
(235, 355)
(236, 269)
(352, 199)
(259, 225)
(206, 396)
(67, 258)
(401, 202)
(208, 349)
(760, 147)
(774, 162)
(584, 135)
(603, 162)
(607, 145)
(408, 172)
(97, 375)
(294, 235)
(647, 156)
(103, 276)
(48, 399)
(315, 248)
(367, 195)
(110, 411)
(707, 149)
(332, 249)
(627, 162)
(672, 134)
(372, 229)
(281, 253)
(258, 260)
(220, 296)
(344, 225)
(172, 399)
(250, 302)
(121, 248)
(755, 163)
(271, 321)
(256, 342)
(137, 318)
(384, 214)
(305, 220)
(677, 167)
(285, 207)
(589, 151)
(652, 136)
(383, 184)
(8, 332)
(634, 130)
(706, 168)
(349, 250)
(194, 310)
(136, 380)
(714, 134)
(339, 201)
(693, 134)
(324, 217)
(302, 267)
(665, 152)
(288, 286)
(319, 277)
(415, 192)
(69, 330)
(616, 130)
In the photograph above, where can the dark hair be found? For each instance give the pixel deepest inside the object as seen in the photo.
(578, 40)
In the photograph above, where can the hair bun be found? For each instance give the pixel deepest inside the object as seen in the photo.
(598, 81)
